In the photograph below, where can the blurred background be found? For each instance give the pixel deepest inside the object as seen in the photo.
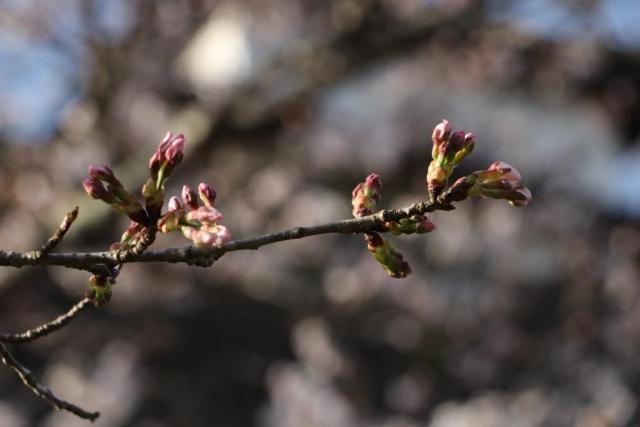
(512, 317)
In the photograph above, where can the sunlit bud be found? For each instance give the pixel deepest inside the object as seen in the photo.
(207, 194)
(96, 189)
(366, 195)
(174, 204)
(207, 214)
(391, 260)
(189, 197)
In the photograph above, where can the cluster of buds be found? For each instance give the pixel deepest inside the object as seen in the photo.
(499, 181)
(449, 149)
(364, 199)
(197, 223)
(161, 164)
(103, 185)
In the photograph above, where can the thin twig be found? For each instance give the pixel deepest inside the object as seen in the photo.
(44, 392)
(57, 237)
(46, 328)
(191, 255)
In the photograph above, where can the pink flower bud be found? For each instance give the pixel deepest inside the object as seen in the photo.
(205, 214)
(441, 132)
(174, 204)
(166, 141)
(175, 149)
(103, 173)
(211, 236)
(96, 189)
(449, 149)
(366, 195)
(207, 194)
(189, 197)
(501, 181)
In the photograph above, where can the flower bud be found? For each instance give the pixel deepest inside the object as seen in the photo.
(174, 204)
(449, 149)
(104, 173)
(189, 197)
(391, 260)
(417, 224)
(175, 149)
(204, 214)
(210, 236)
(366, 195)
(96, 189)
(169, 222)
(501, 181)
(207, 194)
(99, 291)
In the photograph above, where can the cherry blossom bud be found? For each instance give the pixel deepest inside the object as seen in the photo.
(104, 173)
(501, 181)
(449, 149)
(96, 189)
(174, 204)
(169, 222)
(366, 195)
(99, 289)
(175, 149)
(391, 260)
(189, 197)
(417, 224)
(205, 214)
(213, 236)
(207, 194)
(440, 134)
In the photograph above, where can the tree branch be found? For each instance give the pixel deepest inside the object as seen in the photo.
(91, 261)
(46, 328)
(30, 381)
(58, 235)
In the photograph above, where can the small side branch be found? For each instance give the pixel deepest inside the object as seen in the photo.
(57, 237)
(44, 392)
(46, 328)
